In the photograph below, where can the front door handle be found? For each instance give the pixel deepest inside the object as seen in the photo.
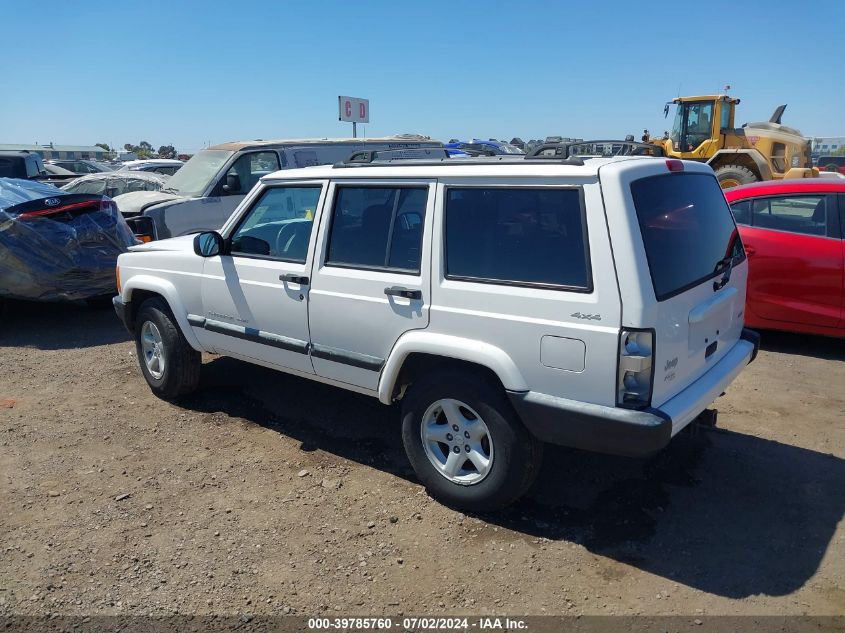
(398, 291)
(749, 251)
(294, 279)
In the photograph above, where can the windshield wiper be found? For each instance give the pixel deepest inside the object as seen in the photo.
(722, 263)
(726, 264)
(169, 190)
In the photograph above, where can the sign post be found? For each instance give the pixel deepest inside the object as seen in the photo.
(353, 110)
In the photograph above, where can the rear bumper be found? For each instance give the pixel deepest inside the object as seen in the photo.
(628, 432)
(122, 310)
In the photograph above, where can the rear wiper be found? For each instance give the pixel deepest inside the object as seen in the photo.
(722, 263)
(726, 264)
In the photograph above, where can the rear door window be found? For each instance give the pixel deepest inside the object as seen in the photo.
(806, 215)
(687, 228)
(517, 236)
(378, 228)
(97, 187)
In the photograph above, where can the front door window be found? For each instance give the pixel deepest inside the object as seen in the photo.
(247, 170)
(279, 225)
(698, 124)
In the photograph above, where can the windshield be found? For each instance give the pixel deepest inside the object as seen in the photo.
(687, 228)
(193, 177)
(676, 127)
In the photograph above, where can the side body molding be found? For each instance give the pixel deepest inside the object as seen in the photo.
(459, 348)
(168, 291)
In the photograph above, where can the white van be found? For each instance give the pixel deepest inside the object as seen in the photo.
(202, 194)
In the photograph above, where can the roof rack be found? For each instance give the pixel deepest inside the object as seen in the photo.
(438, 156)
(363, 157)
(603, 147)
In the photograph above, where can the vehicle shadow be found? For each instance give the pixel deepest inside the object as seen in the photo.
(727, 513)
(53, 326)
(824, 347)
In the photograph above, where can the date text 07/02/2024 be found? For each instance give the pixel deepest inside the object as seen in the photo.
(415, 624)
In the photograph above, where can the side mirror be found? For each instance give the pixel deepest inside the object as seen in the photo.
(233, 184)
(208, 244)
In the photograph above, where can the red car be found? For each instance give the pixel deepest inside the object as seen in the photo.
(792, 231)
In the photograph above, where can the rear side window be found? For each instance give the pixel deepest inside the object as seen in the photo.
(521, 236)
(687, 228)
(796, 214)
(7, 168)
(742, 211)
(378, 228)
(97, 187)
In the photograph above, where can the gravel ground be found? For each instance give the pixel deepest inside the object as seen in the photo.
(267, 494)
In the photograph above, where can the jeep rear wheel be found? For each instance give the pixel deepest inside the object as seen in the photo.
(170, 365)
(734, 175)
(466, 443)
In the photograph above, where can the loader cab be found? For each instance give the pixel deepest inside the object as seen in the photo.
(700, 125)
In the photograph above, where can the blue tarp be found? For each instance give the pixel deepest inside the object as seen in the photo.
(62, 257)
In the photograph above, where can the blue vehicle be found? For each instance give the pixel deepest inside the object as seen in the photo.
(479, 147)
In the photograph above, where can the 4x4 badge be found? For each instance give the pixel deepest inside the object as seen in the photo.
(588, 317)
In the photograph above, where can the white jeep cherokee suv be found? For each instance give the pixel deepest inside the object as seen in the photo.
(506, 302)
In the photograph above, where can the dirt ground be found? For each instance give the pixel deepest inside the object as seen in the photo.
(268, 494)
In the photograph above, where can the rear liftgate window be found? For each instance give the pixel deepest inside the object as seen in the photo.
(517, 236)
(688, 230)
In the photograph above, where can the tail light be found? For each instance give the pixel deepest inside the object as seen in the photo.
(74, 208)
(117, 276)
(674, 165)
(636, 368)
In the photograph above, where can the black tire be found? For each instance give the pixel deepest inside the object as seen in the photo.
(516, 455)
(735, 174)
(181, 371)
(832, 167)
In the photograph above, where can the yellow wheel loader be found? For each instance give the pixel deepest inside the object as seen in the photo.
(703, 130)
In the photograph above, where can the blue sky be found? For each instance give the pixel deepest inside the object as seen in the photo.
(189, 72)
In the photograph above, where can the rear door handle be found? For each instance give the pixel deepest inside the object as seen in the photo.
(294, 279)
(398, 291)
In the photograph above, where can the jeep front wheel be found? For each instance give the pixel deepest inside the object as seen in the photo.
(466, 443)
(170, 365)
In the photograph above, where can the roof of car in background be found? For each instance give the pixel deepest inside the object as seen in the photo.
(15, 191)
(151, 161)
(141, 175)
(797, 185)
(235, 146)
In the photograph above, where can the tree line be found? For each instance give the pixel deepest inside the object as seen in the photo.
(143, 150)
